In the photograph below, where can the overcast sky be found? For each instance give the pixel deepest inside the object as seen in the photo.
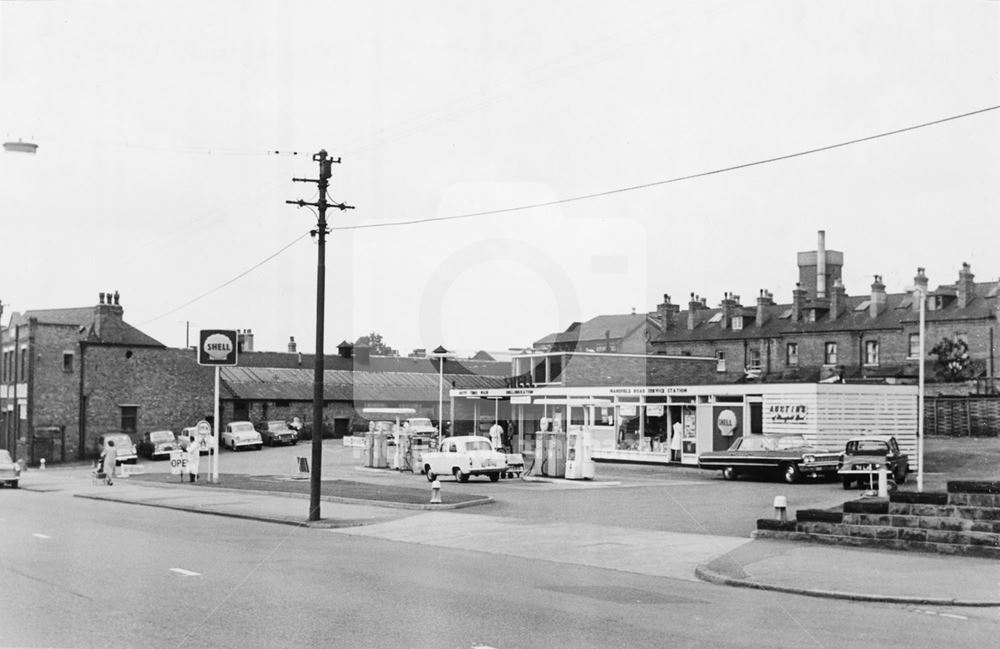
(157, 121)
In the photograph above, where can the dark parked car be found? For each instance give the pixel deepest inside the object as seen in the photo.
(863, 456)
(790, 456)
(157, 444)
(278, 432)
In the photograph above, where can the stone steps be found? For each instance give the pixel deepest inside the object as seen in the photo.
(965, 520)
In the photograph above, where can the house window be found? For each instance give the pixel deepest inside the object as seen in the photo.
(871, 352)
(24, 363)
(737, 323)
(830, 353)
(754, 359)
(67, 361)
(130, 419)
(914, 346)
(720, 361)
(792, 354)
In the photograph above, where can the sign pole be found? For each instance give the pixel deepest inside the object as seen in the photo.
(215, 431)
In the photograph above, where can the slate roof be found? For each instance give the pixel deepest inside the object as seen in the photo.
(855, 316)
(600, 328)
(452, 366)
(113, 329)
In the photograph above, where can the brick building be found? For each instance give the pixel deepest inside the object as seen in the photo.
(69, 375)
(825, 334)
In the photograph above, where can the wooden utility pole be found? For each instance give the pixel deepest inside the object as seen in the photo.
(325, 164)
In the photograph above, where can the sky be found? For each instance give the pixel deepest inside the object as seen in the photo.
(169, 134)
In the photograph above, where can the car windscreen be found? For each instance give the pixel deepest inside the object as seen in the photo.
(868, 447)
(241, 428)
(5, 457)
(477, 445)
(787, 441)
(421, 422)
(161, 436)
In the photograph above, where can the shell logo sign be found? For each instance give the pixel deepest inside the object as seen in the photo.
(727, 422)
(217, 347)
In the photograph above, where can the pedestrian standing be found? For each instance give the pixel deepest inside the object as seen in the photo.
(194, 457)
(675, 441)
(108, 461)
(496, 436)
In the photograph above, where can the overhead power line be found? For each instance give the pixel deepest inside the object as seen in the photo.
(583, 197)
(657, 183)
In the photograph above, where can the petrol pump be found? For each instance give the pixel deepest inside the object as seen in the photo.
(579, 464)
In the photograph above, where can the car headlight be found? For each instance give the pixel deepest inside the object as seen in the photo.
(808, 459)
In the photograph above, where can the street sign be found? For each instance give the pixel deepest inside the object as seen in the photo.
(217, 347)
(178, 462)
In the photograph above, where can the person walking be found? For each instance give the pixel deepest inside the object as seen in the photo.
(108, 462)
(194, 458)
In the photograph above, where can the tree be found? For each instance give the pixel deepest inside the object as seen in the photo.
(951, 359)
(376, 346)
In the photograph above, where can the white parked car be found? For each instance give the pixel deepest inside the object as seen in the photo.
(206, 443)
(241, 434)
(464, 456)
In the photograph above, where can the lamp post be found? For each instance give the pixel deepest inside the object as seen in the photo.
(441, 353)
(920, 393)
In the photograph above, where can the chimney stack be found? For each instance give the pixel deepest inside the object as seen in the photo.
(798, 302)
(821, 265)
(878, 299)
(668, 312)
(838, 299)
(919, 289)
(765, 299)
(291, 345)
(694, 305)
(966, 287)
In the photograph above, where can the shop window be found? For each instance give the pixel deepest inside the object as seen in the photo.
(754, 359)
(871, 352)
(830, 353)
(67, 361)
(914, 346)
(130, 419)
(720, 361)
(792, 354)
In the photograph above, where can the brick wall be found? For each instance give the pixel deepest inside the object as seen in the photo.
(54, 391)
(169, 387)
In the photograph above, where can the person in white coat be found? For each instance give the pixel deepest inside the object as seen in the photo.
(109, 461)
(496, 436)
(194, 458)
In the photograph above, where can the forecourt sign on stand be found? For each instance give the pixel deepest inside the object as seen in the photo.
(217, 347)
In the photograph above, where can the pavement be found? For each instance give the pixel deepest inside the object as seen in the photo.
(809, 569)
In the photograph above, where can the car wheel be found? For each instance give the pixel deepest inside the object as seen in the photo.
(901, 478)
(790, 473)
(459, 476)
(431, 477)
(14, 484)
(729, 473)
(494, 477)
(847, 482)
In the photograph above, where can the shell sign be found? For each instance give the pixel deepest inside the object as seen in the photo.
(217, 347)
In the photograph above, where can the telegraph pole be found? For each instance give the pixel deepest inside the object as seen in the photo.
(325, 164)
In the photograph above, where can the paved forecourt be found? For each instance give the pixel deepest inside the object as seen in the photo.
(647, 552)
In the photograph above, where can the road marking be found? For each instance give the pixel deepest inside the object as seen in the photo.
(41, 536)
(935, 613)
(185, 573)
(952, 615)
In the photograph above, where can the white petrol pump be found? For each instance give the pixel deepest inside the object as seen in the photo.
(568, 454)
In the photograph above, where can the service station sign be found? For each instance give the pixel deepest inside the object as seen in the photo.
(217, 347)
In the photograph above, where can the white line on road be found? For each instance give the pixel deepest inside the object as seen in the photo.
(186, 573)
(41, 536)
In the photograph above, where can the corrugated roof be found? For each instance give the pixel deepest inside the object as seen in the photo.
(272, 384)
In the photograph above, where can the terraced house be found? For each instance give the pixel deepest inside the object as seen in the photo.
(823, 334)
